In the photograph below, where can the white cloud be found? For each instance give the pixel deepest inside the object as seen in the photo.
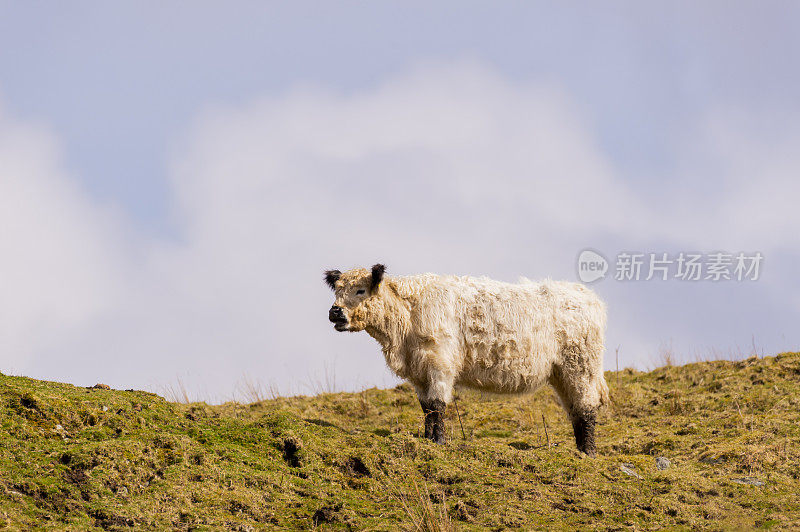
(60, 264)
(443, 169)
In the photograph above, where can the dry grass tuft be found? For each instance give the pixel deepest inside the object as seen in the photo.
(423, 512)
(176, 393)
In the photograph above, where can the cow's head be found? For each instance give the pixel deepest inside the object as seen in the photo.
(354, 290)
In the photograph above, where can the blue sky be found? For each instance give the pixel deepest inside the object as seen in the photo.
(157, 127)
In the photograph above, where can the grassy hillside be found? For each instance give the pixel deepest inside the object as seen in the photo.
(76, 458)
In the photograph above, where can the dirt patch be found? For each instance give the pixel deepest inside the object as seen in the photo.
(109, 521)
(76, 476)
(356, 467)
(326, 514)
(291, 451)
(29, 401)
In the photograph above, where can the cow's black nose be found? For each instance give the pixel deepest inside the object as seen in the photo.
(336, 314)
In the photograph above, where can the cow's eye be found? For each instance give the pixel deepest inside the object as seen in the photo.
(359, 292)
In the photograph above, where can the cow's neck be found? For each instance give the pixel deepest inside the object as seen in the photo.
(390, 325)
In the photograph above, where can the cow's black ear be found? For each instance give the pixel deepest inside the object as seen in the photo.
(331, 276)
(377, 276)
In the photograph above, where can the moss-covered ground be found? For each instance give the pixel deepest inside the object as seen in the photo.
(77, 458)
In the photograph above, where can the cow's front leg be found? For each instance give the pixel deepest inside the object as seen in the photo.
(434, 398)
(434, 411)
(583, 424)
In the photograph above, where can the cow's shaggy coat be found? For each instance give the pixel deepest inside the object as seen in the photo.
(444, 331)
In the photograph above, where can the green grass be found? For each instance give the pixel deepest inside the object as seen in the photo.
(76, 458)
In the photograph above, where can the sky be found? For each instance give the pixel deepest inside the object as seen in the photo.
(175, 176)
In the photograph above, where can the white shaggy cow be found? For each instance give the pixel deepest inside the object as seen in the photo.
(442, 331)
